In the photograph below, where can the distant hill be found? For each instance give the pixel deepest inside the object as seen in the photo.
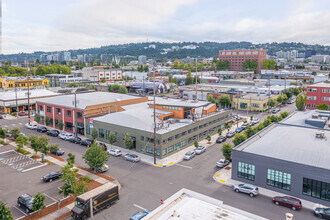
(163, 51)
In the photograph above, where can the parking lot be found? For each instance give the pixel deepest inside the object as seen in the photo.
(14, 182)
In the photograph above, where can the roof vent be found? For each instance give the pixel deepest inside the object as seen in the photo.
(319, 134)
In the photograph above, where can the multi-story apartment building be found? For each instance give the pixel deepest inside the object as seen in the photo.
(236, 58)
(317, 94)
(97, 73)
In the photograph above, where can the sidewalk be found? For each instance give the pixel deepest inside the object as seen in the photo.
(223, 176)
(178, 157)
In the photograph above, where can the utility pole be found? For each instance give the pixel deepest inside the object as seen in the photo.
(75, 114)
(28, 85)
(237, 106)
(196, 82)
(155, 151)
(91, 208)
(16, 100)
(268, 95)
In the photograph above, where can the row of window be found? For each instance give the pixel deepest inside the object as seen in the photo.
(325, 98)
(282, 180)
(172, 108)
(311, 105)
(311, 97)
(58, 111)
(311, 90)
(325, 90)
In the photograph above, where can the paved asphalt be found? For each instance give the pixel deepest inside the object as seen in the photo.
(143, 186)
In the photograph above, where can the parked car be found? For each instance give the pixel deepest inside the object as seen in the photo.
(132, 157)
(25, 202)
(68, 136)
(103, 169)
(104, 147)
(32, 126)
(140, 215)
(276, 110)
(114, 152)
(250, 123)
(221, 139)
(247, 188)
(62, 135)
(230, 134)
(75, 140)
(86, 142)
(239, 130)
(53, 133)
(244, 125)
(290, 101)
(222, 163)
(189, 155)
(59, 152)
(287, 201)
(42, 129)
(200, 150)
(22, 113)
(255, 121)
(1, 117)
(51, 176)
(322, 213)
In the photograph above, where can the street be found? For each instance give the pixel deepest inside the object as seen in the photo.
(143, 186)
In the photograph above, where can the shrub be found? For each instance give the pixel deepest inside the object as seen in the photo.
(86, 179)
(284, 114)
(22, 151)
(196, 144)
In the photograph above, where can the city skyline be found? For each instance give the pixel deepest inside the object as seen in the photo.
(51, 26)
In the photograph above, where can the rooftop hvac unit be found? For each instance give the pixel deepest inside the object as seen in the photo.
(319, 134)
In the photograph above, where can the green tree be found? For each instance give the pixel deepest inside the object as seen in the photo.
(103, 80)
(189, 79)
(224, 100)
(146, 68)
(296, 91)
(69, 179)
(227, 151)
(219, 131)
(38, 202)
(53, 148)
(211, 99)
(269, 64)
(271, 102)
(80, 188)
(196, 144)
(95, 156)
(300, 102)
(266, 122)
(122, 90)
(43, 144)
(3, 134)
(37, 118)
(60, 124)
(208, 138)
(71, 159)
(21, 141)
(284, 114)
(128, 141)
(279, 99)
(249, 132)
(94, 134)
(73, 84)
(5, 212)
(47, 120)
(34, 143)
(112, 138)
(288, 93)
(322, 107)
(239, 138)
(227, 126)
(15, 132)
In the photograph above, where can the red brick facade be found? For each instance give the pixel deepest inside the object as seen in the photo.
(318, 94)
(236, 58)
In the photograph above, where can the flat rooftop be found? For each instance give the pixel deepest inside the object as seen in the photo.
(291, 140)
(254, 96)
(325, 84)
(22, 94)
(187, 204)
(179, 103)
(87, 99)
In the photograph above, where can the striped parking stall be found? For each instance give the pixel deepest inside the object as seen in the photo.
(30, 162)
(14, 159)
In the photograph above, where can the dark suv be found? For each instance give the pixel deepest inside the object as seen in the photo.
(75, 140)
(287, 201)
(86, 142)
(53, 133)
(51, 176)
(25, 202)
(42, 129)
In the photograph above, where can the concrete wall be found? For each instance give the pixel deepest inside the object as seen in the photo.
(297, 171)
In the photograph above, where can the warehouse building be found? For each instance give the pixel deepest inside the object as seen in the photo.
(291, 157)
(178, 125)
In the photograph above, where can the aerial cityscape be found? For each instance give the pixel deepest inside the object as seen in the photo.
(158, 110)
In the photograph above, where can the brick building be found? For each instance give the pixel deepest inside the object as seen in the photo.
(317, 94)
(61, 108)
(236, 58)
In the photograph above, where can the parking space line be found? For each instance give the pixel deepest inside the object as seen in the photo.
(32, 168)
(137, 206)
(183, 166)
(7, 151)
(20, 210)
(50, 197)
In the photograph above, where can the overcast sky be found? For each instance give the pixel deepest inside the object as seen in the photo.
(50, 25)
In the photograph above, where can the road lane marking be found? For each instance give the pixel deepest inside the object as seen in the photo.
(137, 206)
(183, 166)
(217, 175)
(20, 210)
(50, 197)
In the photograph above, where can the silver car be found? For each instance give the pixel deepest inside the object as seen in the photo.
(222, 163)
(189, 155)
(200, 149)
(247, 188)
(114, 152)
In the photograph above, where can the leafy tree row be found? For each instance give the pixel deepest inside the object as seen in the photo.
(117, 88)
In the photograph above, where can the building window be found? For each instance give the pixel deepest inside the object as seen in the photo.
(178, 146)
(107, 134)
(164, 151)
(183, 143)
(58, 111)
(246, 171)
(49, 109)
(324, 90)
(314, 90)
(150, 150)
(313, 105)
(308, 105)
(88, 130)
(170, 139)
(183, 133)
(314, 97)
(68, 126)
(317, 189)
(279, 179)
(79, 115)
(177, 136)
(255, 105)
(142, 138)
(309, 97)
(158, 152)
(68, 113)
(142, 148)
(309, 90)
(170, 149)
(51, 121)
(324, 98)
(101, 133)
